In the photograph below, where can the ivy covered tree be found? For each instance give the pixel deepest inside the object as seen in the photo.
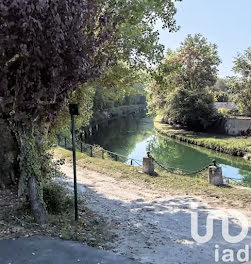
(180, 91)
(48, 48)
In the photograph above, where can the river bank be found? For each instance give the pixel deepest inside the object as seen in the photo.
(151, 216)
(166, 181)
(235, 146)
(134, 135)
(106, 116)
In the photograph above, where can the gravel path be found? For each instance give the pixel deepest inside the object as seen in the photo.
(152, 226)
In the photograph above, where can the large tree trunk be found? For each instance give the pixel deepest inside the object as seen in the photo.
(31, 162)
(22, 163)
(37, 204)
(8, 156)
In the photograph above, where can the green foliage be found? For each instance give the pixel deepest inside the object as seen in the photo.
(133, 45)
(136, 40)
(30, 160)
(244, 100)
(83, 96)
(179, 90)
(220, 85)
(224, 111)
(198, 61)
(241, 93)
(29, 157)
(242, 64)
(194, 109)
(240, 85)
(220, 96)
(119, 81)
(56, 198)
(120, 84)
(221, 90)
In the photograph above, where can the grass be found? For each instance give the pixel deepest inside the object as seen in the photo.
(236, 146)
(230, 196)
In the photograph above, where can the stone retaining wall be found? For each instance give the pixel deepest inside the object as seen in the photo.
(236, 126)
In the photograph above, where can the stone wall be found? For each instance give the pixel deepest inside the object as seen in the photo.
(236, 126)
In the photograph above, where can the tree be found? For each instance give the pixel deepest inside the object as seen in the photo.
(241, 84)
(84, 97)
(43, 56)
(118, 83)
(48, 48)
(191, 108)
(134, 47)
(136, 39)
(220, 86)
(220, 91)
(181, 82)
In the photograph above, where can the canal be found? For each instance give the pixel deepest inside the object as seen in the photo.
(133, 136)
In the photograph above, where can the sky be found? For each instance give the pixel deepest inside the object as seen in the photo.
(226, 23)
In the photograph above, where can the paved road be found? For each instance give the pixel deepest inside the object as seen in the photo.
(47, 250)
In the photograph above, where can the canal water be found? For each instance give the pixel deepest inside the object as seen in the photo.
(133, 136)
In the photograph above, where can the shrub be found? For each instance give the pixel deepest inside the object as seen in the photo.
(191, 108)
(56, 198)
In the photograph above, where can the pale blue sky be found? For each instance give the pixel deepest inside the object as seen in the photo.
(226, 23)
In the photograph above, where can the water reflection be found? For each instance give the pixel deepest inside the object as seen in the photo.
(134, 136)
(190, 158)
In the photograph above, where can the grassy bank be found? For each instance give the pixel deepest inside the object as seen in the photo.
(168, 182)
(236, 146)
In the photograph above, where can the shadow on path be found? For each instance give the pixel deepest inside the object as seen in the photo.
(159, 231)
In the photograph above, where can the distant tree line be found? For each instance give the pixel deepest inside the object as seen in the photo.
(186, 84)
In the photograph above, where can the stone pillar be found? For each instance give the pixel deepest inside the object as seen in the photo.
(215, 175)
(148, 166)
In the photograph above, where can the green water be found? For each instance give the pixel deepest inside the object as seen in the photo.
(134, 136)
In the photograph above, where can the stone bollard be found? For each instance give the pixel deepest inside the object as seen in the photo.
(148, 165)
(215, 175)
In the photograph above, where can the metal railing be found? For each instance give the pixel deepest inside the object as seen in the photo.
(189, 173)
(97, 151)
(181, 172)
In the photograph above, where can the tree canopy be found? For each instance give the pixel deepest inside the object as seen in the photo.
(136, 40)
(47, 50)
(181, 82)
(133, 47)
(241, 83)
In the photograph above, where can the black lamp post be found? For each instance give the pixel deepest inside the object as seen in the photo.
(74, 111)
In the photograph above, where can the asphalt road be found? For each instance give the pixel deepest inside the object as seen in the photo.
(47, 250)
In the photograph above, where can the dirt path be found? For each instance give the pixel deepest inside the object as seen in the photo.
(151, 226)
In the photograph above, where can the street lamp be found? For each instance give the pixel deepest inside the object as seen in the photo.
(74, 111)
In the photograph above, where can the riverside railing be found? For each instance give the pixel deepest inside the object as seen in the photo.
(97, 151)
(190, 173)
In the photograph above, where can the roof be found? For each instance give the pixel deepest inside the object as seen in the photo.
(227, 105)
